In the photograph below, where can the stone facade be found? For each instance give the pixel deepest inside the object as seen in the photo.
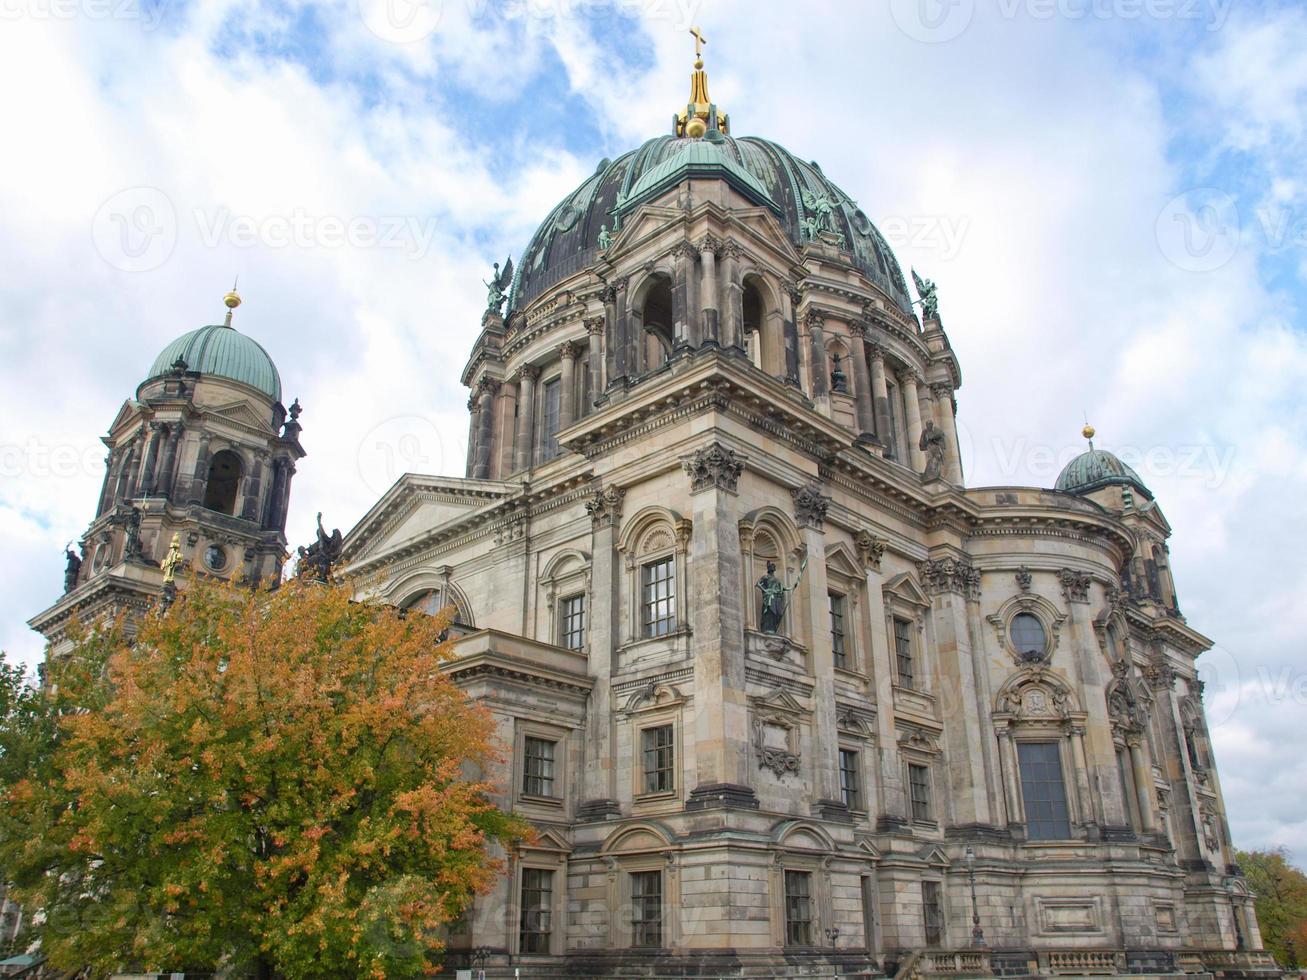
(995, 672)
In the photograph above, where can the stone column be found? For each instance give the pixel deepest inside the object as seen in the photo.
(526, 400)
(505, 431)
(733, 297)
(952, 584)
(1008, 763)
(709, 318)
(612, 339)
(790, 297)
(861, 381)
(471, 435)
(946, 420)
(200, 480)
(818, 368)
(168, 473)
(1091, 807)
(910, 379)
(721, 722)
(148, 468)
(599, 774)
(112, 463)
(595, 328)
(893, 806)
(250, 488)
(880, 396)
(273, 511)
(810, 513)
(569, 352)
(682, 328)
(487, 388)
(1143, 790)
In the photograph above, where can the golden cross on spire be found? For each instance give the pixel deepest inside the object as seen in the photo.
(699, 42)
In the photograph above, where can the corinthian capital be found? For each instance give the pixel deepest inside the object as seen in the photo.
(569, 350)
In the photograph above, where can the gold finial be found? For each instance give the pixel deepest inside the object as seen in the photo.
(173, 560)
(1088, 433)
(232, 300)
(696, 119)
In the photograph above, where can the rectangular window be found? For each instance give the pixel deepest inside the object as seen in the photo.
(798, 908)
(551, 403)
(1127, 789)
(850, 785)
(659, 759)
(647, 908)
(658, 596)
(919, 791)
(892, 399)
(537, 898)
(837, 638)
(538, 767)
(1043, 792)
(572, 616)
(903, 651)
(932, 911)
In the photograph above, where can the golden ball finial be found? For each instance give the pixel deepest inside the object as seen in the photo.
(1087, 431)
(232, 300)
(696, 127)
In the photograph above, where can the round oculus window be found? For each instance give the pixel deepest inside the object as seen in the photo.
(1027, 635)
(215, 557)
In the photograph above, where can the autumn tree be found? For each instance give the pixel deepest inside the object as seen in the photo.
(278, 783)
(1281, 902)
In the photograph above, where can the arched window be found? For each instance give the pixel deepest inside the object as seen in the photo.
(1028, 636)
(762, 329)
(223, 483)
(433, 602)
(656, 317)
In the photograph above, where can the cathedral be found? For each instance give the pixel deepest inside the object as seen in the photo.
(780, 693)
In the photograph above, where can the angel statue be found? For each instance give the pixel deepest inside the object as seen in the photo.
(498, 286)
(317, 559)
(822, 209)
(929, 302)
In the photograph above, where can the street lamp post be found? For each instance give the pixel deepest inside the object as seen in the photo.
(977, 933)
(832, 934)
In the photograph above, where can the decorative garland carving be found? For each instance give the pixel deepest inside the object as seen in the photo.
(714, 466)
(810, 506)
(941, 575)
(1075, 585)
(605, 506)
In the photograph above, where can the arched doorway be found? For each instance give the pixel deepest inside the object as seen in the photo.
(223, 483)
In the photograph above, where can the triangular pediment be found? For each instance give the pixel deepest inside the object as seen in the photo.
(903, 587)
(933, 854)
(549, 840)
(126, 416)
(841, 559)
(241, 413)
(868, 847)
(783, 701)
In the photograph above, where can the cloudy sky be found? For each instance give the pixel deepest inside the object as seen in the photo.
(1111, 194)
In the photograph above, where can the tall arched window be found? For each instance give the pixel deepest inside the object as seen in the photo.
(224, 480)
(762, 329)
(656, 318)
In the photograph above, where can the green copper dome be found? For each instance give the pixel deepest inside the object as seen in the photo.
(221, 351)
(1096, 468)
(764, 172)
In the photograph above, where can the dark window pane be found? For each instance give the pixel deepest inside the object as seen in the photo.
(837, 639)
(537, 898)
(798, 908)
(572, 614)
(538, 767)
(658, 598)
(647, 908)
(1027, 634)
(551, 404)
(659, 753)
(903, 651)
(919, 791)
(1043, 792)
(932, 910)
(850, 786)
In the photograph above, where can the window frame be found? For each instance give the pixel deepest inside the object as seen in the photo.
(667, 748)
(788, 904)
(929, 801)
(852, 797)
(933, 927)
(658, 626)
(911, 683)
(564, 621)
(1044, 740)
(639, 939)
(552, 761)
(837, 604)
(543, 912)
(560, 737)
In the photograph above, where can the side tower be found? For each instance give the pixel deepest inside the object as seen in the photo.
(206, 452)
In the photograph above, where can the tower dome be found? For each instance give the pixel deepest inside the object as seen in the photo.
(798, 193)
(1094, 469)
(221, 350)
